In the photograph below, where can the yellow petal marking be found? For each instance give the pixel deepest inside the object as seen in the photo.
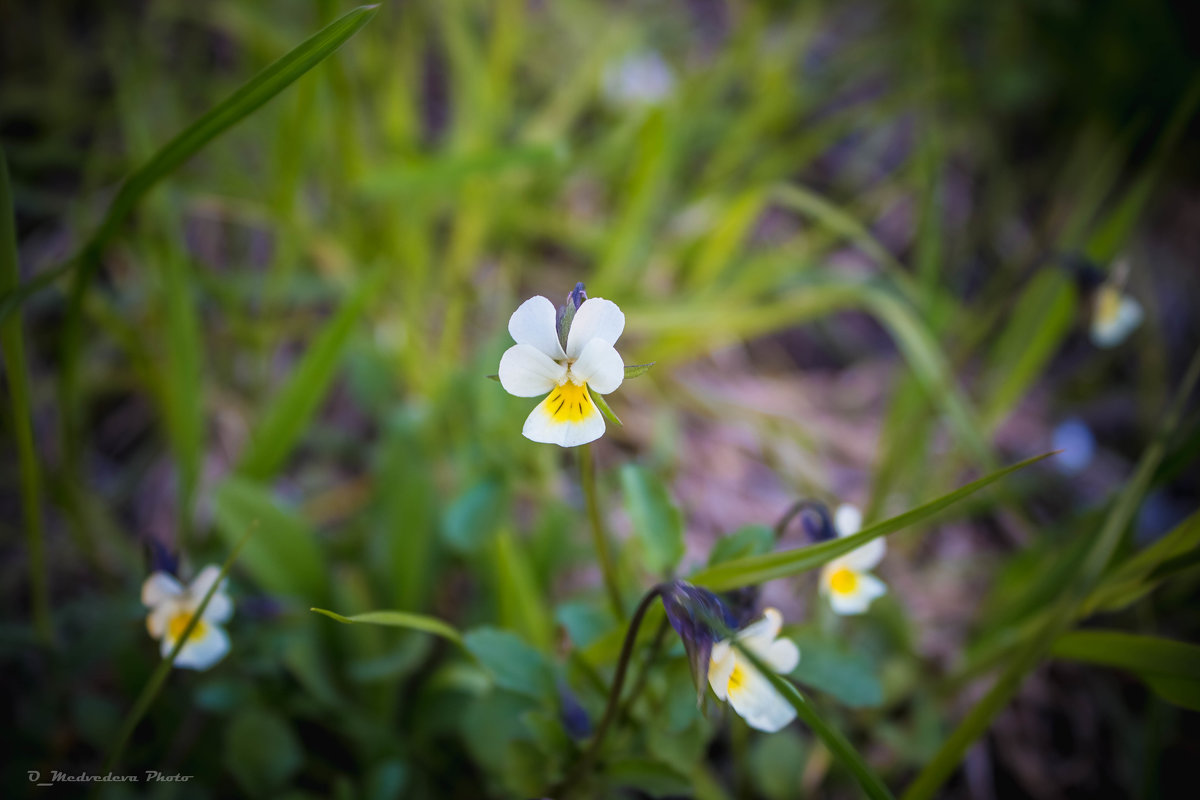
(179, 622)
(1108, 304)
(737, 679)
(570, 403)
(843, 581)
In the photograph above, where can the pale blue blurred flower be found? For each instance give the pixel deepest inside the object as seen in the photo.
(1078, 446)
(639, 79)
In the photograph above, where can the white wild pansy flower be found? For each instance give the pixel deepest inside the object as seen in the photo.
(171, 609)
(847, 580)
(1115, 315)
(734, 677)
(564, 368)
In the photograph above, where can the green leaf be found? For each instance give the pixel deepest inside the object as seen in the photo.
(290, 412)
(1170, 668)
(1042, 318)
(602, 404)
(12, 344)
(244, 101)
(647, 775)
(657, 522)
(283, 557)
(398, 619)
(759, 569)
(833, 739)
(846, 674)
(261, 751)
(513, 664)
(637, 370)
(522, 606)
(1139, 575)
(749, 540)
(472, 518)
(777, 764)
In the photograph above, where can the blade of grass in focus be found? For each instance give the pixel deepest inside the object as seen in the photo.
(398, 619)
(12, 341)
(758, 569)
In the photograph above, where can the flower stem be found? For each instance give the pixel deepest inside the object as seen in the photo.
(587, 479)
(585, 762)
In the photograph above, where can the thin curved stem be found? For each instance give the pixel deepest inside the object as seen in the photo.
(585, 762)
(798, 508)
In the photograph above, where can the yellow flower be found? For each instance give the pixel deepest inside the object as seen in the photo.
(544, 362)
(734, 678)
(846, 580)
(172, 607)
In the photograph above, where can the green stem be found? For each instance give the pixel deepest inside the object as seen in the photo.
(585, 762)
(833, 739)
(587, 479)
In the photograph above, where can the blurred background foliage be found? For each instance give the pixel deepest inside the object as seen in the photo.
(839, 228)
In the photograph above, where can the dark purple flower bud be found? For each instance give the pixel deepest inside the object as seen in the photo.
(575, 720)
(566, 313)
(817, 524)
(700, 619)
(162, 559)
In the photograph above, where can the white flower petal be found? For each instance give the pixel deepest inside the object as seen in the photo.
(535, 323)
(201, 652)
(203, 582)
(599, 366)
(782, 656)
(847, 519)
(1114, 317)
(160, 587)
(567, 418)
(760, 634)
(867, 556)
(219, 608)
(156, 621)
(721, 662)
(755, 699)
(526, 371)
(865, 588)
(871, 587)
(596, 318)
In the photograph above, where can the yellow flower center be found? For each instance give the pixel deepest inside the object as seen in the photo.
(178, 623)
(570, 403)
(1108, 304)
(843, 581)
(737, 678)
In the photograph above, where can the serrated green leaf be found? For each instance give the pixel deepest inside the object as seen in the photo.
(657, 522)
(398, 619)
(758, 569)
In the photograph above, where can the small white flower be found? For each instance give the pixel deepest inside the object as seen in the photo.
(734, 678)
(1115, 315)
(539, 363)
(846, 580)
(172, 607)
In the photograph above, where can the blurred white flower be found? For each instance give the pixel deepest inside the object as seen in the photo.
(171, 609)
(639, 79)
(847, 580)
(1115, 314)
(541, 361)
(734, 678)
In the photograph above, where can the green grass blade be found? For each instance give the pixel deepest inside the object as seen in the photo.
(398, 619)
(1138, 576)
(833, 739)
(284, 558)
(758, 569)
(289, 413)
(12, 343)
(159, 676)
(247, 99)
(1037, 644)
(1139, 654)
(521, 605)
